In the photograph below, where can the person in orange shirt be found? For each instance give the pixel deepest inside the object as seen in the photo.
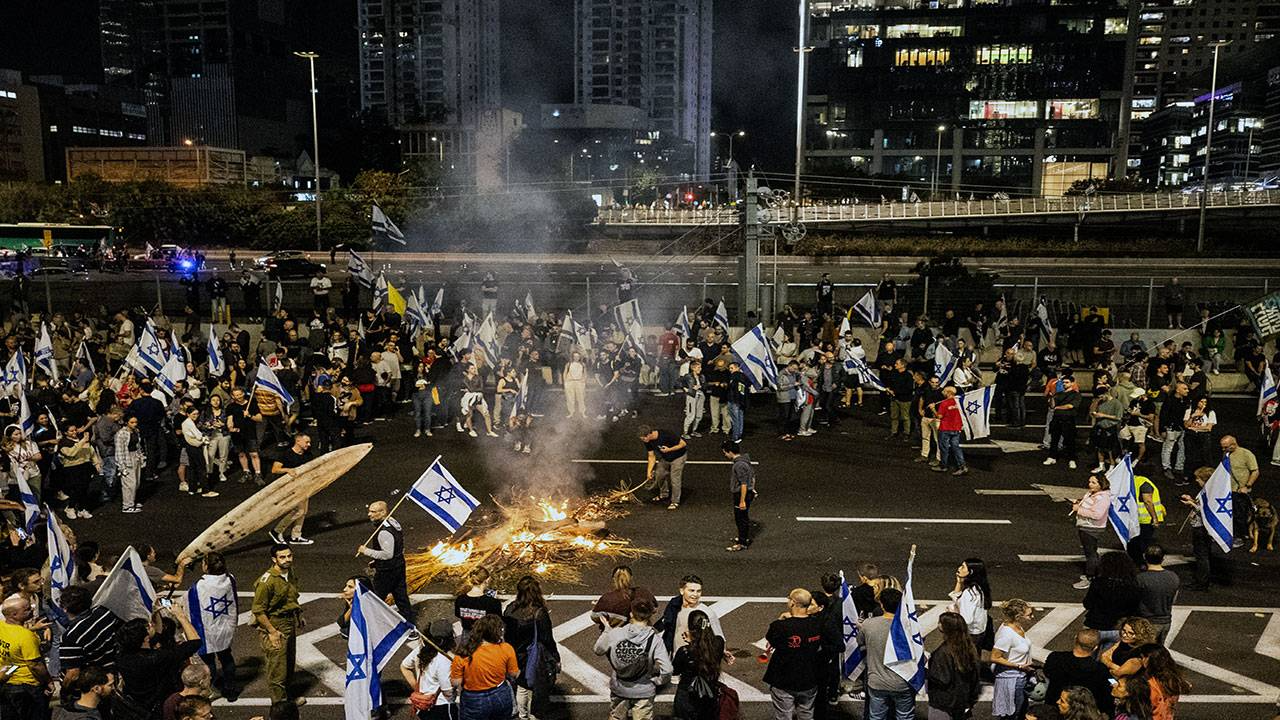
(481, 670)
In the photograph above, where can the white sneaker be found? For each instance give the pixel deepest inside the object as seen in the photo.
(491, 434)
(1083, 584)
(1099, 469)
(85, 514)
(417, 433)
(428, 433)
(1071, 465)
(1049, 461)
(460, 428)
(70, 513)
(527, 450)
(472, 433)
(182, 486)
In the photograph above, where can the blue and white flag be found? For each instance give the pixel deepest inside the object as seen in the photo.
(127, 591)
(277, 300)
(212, 608)
(868, 308)
(904, 653)
(44, 353)
(84, 356)
(721, 317)
(26, 419)
(529, 313)
(845, 327)
(381, 294)
(384, 229)
(414, 315)
(268, 381)
(465, 339)
(629, 321)
(586, 337)
(150, 351)
(1124, 500)
(1046, 327)
(1216, 508)
(682, 324)
(756, 359)
(1266, 390)
(15, 372)
(975, 411)
(804, 393)
(216, 365)
(853, 660)
(357, 266)
(521, 400)
(487, 340)
(865, 374)
(173, 372)
(30, 504)
(377, 632)
(944, 362)
(441, 496)
(437, 305)
(62, 564)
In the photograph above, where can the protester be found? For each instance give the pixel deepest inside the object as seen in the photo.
(638, 662)
(426, 671)
(971, 600)
(952, 676)
(482, 670)
(528, 629)
(1091, 513)
(742, 492)
(1011, 658)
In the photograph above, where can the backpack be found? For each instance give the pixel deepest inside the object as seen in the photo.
(728, 703)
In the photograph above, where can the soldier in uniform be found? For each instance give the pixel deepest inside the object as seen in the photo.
(278, 616)
(386, 551)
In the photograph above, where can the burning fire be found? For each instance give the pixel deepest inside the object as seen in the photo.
(551, 513)
(452, 555)
(588, 543)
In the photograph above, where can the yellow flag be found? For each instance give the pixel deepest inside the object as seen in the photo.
(395, 299)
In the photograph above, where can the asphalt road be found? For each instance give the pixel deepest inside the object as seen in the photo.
(1229, 638)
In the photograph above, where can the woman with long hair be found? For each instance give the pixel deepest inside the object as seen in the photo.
(971, 599)
(1113, 595)
(1122, 658)
(427, 673)
(77, 469)
(24, 456)
(528, 628)
(1011, 660)
(698, 665)
(613, 608)
(1091, 524)
(481, 670)
(213, 422)
(1077, 703)
(1133, 698)
(1198, 422)
(953, 671)
(1165, 681)
(475, 600)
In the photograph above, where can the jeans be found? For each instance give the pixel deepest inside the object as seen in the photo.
(693, 412)
(1089, 543)
(1048, 425)
(742, 518)
(23, 701)
(903, 703)
(788, 705)
(422, 406)
(666, 374)
(1015, 404)
(1167, 460)
(492, 704)
(109, 470)
(949, 447)
(630, 708)
(735, 421)
(226, 680)
(1211, 562)
(1062, 436)
(216, 454)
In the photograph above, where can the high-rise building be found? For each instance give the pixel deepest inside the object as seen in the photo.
(968, 96)
(654, 55)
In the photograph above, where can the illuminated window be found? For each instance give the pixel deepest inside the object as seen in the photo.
(853, 57)
(1144, 102)
(8, 94)
(111, 133)
(83, 130)
(1003, 54)
(1150, 41)
(1116, 26)
(1149, 16)
(923, 30)
(866, 32)
(1084, 109)
(922, 57)
(1083, 26)
(53, 128)
(1003, 109)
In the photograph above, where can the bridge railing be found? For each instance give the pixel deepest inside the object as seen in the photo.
(955, 208)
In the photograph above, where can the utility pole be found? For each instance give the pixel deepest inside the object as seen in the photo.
(801, 50)
(315, 134)
(1208, 149)
(749, 268)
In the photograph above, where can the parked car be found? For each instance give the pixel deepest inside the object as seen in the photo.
(288, 264)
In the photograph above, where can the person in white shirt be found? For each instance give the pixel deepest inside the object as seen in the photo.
(1011, 660)
(971, 599)
(575, 385)
(320, 286)
(426, 670)
(197, 470)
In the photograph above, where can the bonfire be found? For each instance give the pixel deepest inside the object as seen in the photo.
(551, 538)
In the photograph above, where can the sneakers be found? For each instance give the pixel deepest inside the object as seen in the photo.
(460, 429)
(473, 433)
(1049, 461)
(1083, 583)
(698, 435)
(417, 433)
(1098, 469)
(210, 494)
(183, 487)
(1071, 465)
(491, 434)
(257, 480)
(518, 447)
(527, 450)
(85, 514)
(686, 436)
(428, 433)
(937, 467)
(70, 513)
(962, 470)
(299, 540)
(673, 506)
(131, 509)
(276, 537)
(920, 459)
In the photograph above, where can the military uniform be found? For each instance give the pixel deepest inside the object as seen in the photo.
(275, 595)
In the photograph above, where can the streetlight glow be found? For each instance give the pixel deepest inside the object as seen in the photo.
(315, 134)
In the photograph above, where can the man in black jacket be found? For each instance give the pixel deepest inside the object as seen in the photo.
(799, 638)
(1078, 668)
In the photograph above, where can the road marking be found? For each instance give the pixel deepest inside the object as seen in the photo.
(1005, 446)
(589, 461)
(1049, 627)
(310, 658)
(907, 521)
(1168, 559)
(1269, 641)
(1178, 618)
(991, 491)
(572, 664)
(1057, 493)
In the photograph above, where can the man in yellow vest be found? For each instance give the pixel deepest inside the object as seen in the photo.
(1150, 515)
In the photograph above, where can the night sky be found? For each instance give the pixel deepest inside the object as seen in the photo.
(753, 77)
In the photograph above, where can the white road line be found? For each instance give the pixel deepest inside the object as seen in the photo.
(906, 521)
(1049, 627)
(572, 664)
(1178, 619)
(1168, 559)
(589, 461)
(315, 662)
(989, 491)
(1269, 641)
(1232, 678)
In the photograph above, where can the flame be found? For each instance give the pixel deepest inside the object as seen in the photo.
(540, 568)
(452, 555)
(551, 513)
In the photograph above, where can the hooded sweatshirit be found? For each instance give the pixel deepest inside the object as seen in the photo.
(638, 658)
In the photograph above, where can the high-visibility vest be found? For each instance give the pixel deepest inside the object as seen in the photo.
(1144, 516)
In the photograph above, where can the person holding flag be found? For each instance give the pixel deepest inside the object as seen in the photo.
(213, 612)
(375, 635)
(44, 354)
(1212, 533)
(386, 557)
(887, 691)
(799, 642)
(216, 364)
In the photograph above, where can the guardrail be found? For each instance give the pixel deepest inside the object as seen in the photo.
(948, 209)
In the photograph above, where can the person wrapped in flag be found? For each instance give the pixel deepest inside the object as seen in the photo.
(1212, 561)
(213, 611)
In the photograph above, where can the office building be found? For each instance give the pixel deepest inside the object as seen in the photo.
(186, 166)
(654, 55)
(970, 97)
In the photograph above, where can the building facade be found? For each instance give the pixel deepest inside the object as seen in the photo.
(654, 55)
(968, 96)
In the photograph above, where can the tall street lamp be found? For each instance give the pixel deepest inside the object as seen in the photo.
(1208, 148)
(801, 50)
(937, 164)
(315, 134)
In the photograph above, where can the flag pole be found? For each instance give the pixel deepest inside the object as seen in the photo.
(394, 508)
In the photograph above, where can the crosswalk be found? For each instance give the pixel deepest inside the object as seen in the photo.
(1232, 654)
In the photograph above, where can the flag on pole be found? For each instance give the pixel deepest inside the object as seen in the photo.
(216, 365)
(1123, 512)
(853, 660)
(845, 326)
(944, 362)
(628, 316)
(1046, 328)
(384, 229)
(357, 266)
(904, 653)
(585, 336)
(529, 313)
(465, 339)
(437, 306)
(779, 337)
(268, 381)
(442, 497)
(682, 324)
(721, 317)
(380, 292)
(277, 300)
(568, 337)
(26, 419)
(212, 608)
(868, 308)
(15, 372)
(30, 505)
(487, 337)
(1216, 507)
(756, 359)
(522, 397)
(84, 356)
(865, 373)
(376, 633)
(150, 351)
(44, 353)
(1266, 390)
(414, 315)
(173, 372)
(127, 592)
(975, 411)
(62, 564)
(396, 300)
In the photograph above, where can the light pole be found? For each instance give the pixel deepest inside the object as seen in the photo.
(315, 134)
(937, 165)
(1248, 155)
(439, 144)
(801, 49)
(1208, 148)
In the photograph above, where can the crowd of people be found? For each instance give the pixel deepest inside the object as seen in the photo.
(90, 427)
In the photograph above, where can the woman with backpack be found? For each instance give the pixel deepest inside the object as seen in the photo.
(698, 665)
(529, 630)
(427, 673)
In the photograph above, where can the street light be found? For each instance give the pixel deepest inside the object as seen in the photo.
(1208, 147)
(801, 49)
(440, 144)
(315, 134)
(731, 136)
(937, 164)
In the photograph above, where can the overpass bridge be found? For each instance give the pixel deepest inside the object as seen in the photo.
(1132, 208)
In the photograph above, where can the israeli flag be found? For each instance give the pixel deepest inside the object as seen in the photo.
(522, 397)
(442, 497)
(682, 323)
(437, 306)
(384, 229)
(268, 381)
(865, 373)
(212, 608)
(30, 505)
(756, 358)
(567, 336)
(380, 293)
(1046, 328)
(853, 660)
(15, 371)
(586, 337)
(975, 411)
(944, 362)
(1216, 508)
(151, 352)
(779, 337)
(173, 372)
(62, 564)
(277, 300)
(722, 316)
(83, 355)
(1266, 390)
(844, 325)
(628, 316)
(216, 364)
(529, 313)
(487, 336)
(377, 632)
(464, 341)
(44, 353)
(357, 266)
(904, 653)
(868, 308)
(414, 314)
(1124, 500)
(127, 591)
(26, 419)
